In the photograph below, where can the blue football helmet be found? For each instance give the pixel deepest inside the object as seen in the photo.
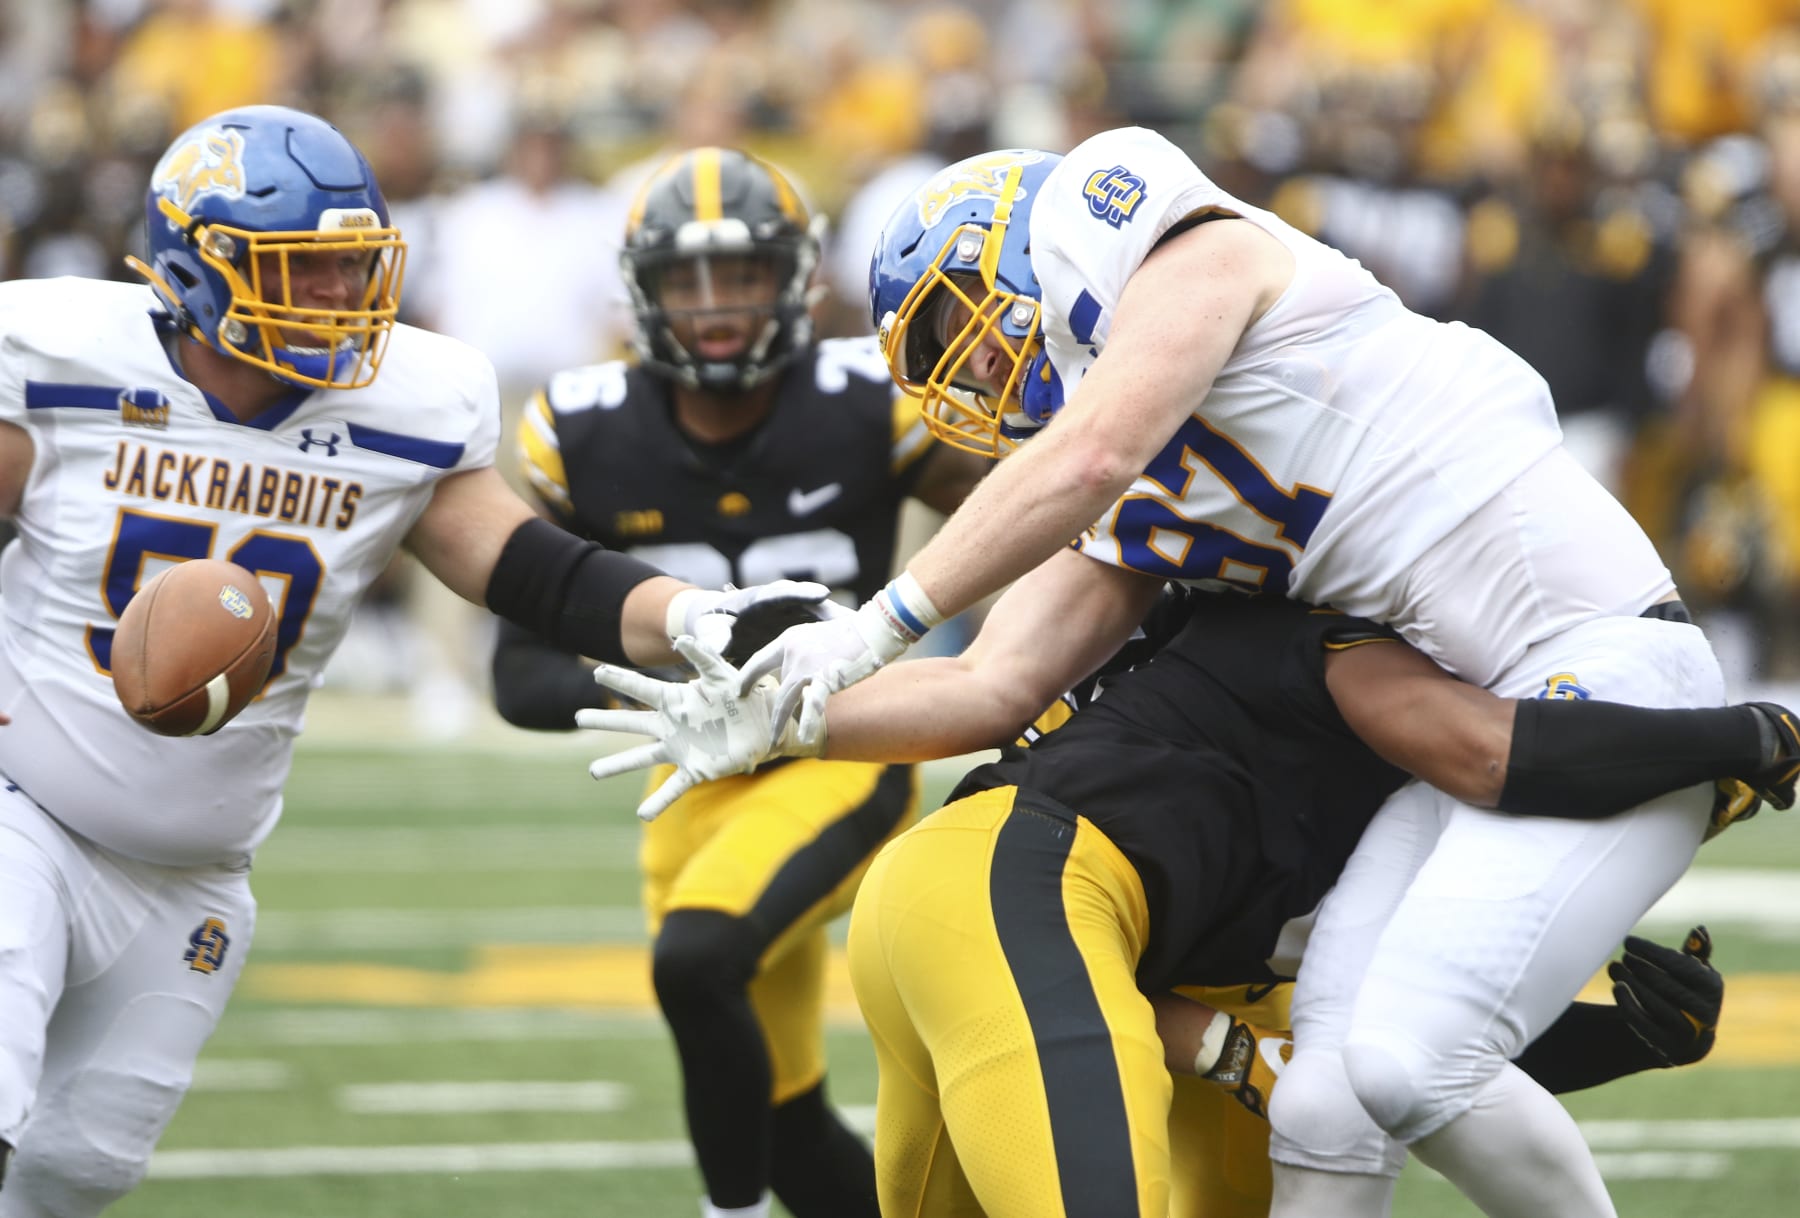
(233, 205)
(963, 239)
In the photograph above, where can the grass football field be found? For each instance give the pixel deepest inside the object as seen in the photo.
(447, 1013)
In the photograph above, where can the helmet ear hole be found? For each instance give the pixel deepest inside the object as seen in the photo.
(185, 277)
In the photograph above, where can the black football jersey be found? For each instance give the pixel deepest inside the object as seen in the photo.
(814, 492)
(1222, 770)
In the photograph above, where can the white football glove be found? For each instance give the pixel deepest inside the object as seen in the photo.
(818, 659)
(705, 728)
(748, 617)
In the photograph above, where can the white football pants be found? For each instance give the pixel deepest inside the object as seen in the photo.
(1457, 935)
(113, 974)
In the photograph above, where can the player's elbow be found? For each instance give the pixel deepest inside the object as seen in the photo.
(1462, 751)
(518, 708)
(1102, 468)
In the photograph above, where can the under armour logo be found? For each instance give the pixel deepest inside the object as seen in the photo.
(328, 443)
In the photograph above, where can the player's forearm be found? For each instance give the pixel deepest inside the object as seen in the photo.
(1575, 759)
(1592, 1043)
(923, 710)
(538, 686)
(580, 596)
(1030, 506)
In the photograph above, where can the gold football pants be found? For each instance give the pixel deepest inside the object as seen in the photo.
(785, 848)
(993, 951)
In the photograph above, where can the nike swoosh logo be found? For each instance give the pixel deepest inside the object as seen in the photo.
(805, 503)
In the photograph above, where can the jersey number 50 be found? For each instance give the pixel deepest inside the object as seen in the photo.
(140, 536)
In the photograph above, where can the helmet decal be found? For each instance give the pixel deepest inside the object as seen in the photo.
(955, 300)
(983, 176)
(207, 161)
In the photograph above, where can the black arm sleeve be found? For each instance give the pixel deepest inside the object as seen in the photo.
(1589, 1045)
(539, 686)
(1582, 760)
(565, 590)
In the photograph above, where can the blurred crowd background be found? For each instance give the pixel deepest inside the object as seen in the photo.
(1612, 187)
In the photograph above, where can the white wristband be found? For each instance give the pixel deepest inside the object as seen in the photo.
(907, 609)
(1212, 1043)
(682, 607)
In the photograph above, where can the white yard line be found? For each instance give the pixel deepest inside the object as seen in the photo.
(394, 929)
(436, 1099)
(598, 847)
(1750, 1133)
(618, 1156)
(240, 1074)
(417, 1160)
(377, 1026)
(1763, 899)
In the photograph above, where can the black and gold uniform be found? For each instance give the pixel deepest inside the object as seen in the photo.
(1162, 837)
(814, 493)
(1166, 837)
(780, 458)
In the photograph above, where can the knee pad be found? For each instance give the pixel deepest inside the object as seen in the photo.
(89, 1143)
(1317, 1121)
(1392, 1089)
(700, 955)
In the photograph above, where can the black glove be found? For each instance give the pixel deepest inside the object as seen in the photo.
(1670, 998)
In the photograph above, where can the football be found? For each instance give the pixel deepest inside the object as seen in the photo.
(193, 647)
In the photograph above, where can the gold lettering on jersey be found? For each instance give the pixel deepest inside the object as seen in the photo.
(134, 484)
(232, 486)
(266, 490)
(734, 504)
(638, 524)
(187, 490)
(220, 486)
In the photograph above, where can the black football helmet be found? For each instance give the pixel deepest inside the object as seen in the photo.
(710, 203)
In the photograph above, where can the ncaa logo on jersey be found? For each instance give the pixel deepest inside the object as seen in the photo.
(980, 177)
(1114, 194)
(212, 163)
(1563, 687)
(206, 947)
(143, 408)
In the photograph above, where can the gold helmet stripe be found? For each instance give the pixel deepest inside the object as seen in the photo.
(785, 194)
(708, 192)
(638, 204)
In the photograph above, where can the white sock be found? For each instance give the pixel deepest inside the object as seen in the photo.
(759, 1210)
(1518, 1154)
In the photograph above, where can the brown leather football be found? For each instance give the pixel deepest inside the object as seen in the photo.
(193, 647)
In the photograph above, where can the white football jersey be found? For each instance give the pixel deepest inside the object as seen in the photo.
(1344, 436)
(134, 468)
